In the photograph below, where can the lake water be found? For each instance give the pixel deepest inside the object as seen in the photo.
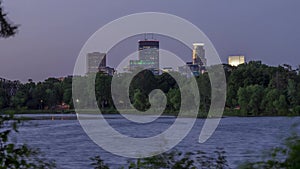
(242, 138)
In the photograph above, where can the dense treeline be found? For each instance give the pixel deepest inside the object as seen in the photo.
(259, 89)
(253, 89)
(33, 96)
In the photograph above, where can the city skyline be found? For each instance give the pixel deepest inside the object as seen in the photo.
(254, 29)
(148, 57)
(147, 84)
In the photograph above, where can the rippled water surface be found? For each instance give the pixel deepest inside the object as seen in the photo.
(242, 138)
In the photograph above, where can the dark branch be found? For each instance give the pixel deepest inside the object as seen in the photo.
(7, 28)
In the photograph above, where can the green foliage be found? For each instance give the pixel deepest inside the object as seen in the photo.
(280, 157)
(269, 100)
(34, 96)
(174, 99)
(296, 110)
(174, 160)
(103, 92)
(249, 98)
(98, 163)
(254, 89)
(285, 157)
(292, 93)
(3, 98)
(281, 105)
(205, 92)
(140, 100)
(252, 73)
(14, 156)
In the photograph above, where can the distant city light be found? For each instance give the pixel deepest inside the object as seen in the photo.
(198, 44)
(236, 60)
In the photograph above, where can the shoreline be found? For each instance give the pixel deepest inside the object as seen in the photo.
(73, 116)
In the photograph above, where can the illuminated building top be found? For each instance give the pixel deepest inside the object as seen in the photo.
(236, 60)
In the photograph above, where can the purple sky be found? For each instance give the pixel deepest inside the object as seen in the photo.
(52, 32)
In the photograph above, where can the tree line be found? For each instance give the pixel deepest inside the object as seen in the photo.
(258, 89)
(253, 89)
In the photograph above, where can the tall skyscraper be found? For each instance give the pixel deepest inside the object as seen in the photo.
(148, 56)
(236, 60)
(149, 51)
(95, 61)
(198, 65)
(199, 54)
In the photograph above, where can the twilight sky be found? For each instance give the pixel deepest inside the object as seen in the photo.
(52, 32)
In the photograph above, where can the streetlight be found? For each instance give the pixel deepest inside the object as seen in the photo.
(41, 105)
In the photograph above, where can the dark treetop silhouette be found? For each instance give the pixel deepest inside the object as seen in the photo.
(7, 28)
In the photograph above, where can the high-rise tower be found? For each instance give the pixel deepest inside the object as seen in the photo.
(149, 52)
(199, 54)
(148, 56)
(95, 61)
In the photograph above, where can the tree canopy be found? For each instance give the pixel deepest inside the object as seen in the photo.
(253, 89)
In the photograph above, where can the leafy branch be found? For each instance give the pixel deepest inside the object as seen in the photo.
(7, 28)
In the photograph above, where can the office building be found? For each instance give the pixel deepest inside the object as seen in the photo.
(95, 61)
(148, 56)
(107, 70)
(199, 54)
(198, 64)
(149, 53)
(167, 69)
(236, 60)
(191, 69)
